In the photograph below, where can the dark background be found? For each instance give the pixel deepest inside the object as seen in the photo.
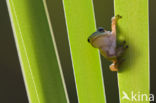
(12, 89)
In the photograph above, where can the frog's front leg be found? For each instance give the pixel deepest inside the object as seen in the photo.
(114, 22)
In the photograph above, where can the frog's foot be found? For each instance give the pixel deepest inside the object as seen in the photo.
(116, 18)
(121, 49)
(123, 43)
(126, 46)
(113, 67)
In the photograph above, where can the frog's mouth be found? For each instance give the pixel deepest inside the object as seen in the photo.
(95, 35)
(91, 40)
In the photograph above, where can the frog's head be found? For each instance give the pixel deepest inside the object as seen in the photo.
(100, 31)
(98, 34)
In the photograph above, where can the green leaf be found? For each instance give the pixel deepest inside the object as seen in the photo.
(86, 60)
(36, 50)
(133, 27)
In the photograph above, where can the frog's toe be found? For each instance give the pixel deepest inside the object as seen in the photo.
(124, 42)
(126, 46)
(118, 16)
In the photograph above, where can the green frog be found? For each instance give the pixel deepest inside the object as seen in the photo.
(106, 41)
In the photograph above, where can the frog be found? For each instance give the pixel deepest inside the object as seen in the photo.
(106, 42)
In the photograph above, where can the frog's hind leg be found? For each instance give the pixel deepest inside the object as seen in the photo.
(120, 61)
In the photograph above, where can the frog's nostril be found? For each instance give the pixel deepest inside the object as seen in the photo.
(89, 40)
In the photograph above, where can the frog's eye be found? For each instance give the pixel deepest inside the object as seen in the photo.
(101, 29)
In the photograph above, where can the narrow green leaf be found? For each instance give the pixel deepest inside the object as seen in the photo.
(133, 27)
(86, 61)
(35, 46)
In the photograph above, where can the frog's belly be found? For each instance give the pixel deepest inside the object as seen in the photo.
(108, 53)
